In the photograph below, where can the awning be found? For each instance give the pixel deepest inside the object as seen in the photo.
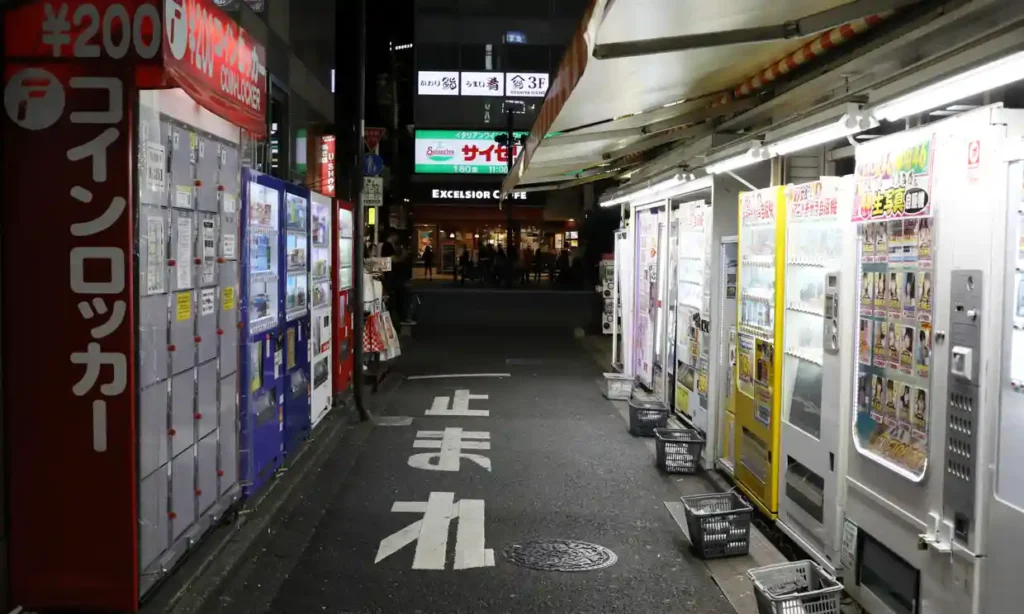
(641, 75)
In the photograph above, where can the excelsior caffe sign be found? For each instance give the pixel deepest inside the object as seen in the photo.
(466, 193)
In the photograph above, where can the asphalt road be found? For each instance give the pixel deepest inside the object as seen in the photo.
(562, 466)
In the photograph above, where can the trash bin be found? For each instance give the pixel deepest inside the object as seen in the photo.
(795, 588)
(719, 524)
(645, 416)
(678, 450)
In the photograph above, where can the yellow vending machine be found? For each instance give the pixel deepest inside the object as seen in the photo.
(762, 250)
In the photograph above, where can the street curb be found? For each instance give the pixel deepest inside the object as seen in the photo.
(217, 557)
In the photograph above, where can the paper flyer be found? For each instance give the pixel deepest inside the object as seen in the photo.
(155, 260)
(183, 253)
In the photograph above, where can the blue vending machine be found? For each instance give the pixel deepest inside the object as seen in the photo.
(295, 289)
(262, 389)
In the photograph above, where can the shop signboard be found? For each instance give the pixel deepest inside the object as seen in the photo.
(468, 193)
(893, 208)
(437, 83)
(482, 83)
(327, 165)
(466, 152)
(526, 84)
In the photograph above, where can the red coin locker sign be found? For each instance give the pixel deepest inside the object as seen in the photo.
(72, 75)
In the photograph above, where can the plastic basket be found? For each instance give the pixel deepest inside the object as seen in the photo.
(678, 450)
(645, 416)
(719, 524)
(618, 387)
(795, 588)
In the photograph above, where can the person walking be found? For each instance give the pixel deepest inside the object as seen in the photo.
(524, 274)
(463, 267)
(428, 262)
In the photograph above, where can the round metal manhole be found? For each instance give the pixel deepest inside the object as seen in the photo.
(560, 555)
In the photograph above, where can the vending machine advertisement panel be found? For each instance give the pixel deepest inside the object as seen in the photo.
(762, 247)
(295, 262)
(321, 261)
(262, 394)
(645, 314)
(813, 427)
(343, 357)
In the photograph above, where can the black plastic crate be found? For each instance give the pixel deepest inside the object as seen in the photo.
(718, 524)
(678, 450)
(645, 416)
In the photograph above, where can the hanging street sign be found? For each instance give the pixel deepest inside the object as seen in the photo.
(373, 192)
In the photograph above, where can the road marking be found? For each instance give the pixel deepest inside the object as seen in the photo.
(450, 442)
(431, 533)
(454, 375)
(460, 405)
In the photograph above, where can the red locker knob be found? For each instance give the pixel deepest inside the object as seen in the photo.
(171, 262)
(220, 188)
(220, 331)
(220, 473)
(221, 260)
(198, 416)
(172, 432)
(198, 182)
(198, 339)
(239, 325)
(198, 260)
(171, 348)
(172, 515)
(199, 492)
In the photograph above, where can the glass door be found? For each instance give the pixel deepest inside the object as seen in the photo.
(726, 422)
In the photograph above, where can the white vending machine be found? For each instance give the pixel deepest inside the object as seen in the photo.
(321, 264)
(818, 350)
(930, 526)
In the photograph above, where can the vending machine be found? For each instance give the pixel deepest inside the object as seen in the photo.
(933, 520)
(295, 288)
(818, 347)
(262, 393)
(762, 249)
(343, 359)
(321, 262)
(693, 311)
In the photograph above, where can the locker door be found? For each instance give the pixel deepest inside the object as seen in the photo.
(152, 339)
(206, 324)
(228, 430)
(153, 428)
(206, 472)
(153, 529)
(183, 496)
(227, 318)
(230, 171)
(183, 334)
(206, 398)
(207, 164)
(182, 155)
(206, 248)
(182, 411)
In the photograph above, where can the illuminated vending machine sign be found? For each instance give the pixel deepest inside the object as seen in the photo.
(893, 209)
(73, 81)
(342, 313)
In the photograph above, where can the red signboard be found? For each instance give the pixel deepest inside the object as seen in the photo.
(71, 82)
(327, 144)
(214, 60)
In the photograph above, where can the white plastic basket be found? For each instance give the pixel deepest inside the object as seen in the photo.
(618, 387)
(795, 588)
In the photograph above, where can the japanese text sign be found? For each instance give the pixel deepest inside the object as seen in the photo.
(373, 191)
(893, 181)
(482, 84)
(67, 101)
(216, 62)
(327, 145)
(758, 208)
(437, 83)
(526, 84)
(462, 152)
(813, 201)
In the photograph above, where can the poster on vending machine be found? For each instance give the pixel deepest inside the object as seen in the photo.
(893, 209)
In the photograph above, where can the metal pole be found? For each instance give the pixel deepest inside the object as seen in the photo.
(358, 266)
(511, 162)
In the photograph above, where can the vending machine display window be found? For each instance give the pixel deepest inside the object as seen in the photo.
(263, 274)
(692, 312)
(296, 255)
(894, 293)
(345, 248)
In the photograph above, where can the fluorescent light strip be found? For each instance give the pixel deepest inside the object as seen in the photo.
(848, 125)
(990, 76)
(733, 163)
(675, 186)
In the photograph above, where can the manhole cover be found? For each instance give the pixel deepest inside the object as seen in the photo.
(560, 555)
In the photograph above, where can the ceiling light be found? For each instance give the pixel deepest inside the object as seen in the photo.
(847, 125)
(675, 186)
(756, 153)
(966, 84)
